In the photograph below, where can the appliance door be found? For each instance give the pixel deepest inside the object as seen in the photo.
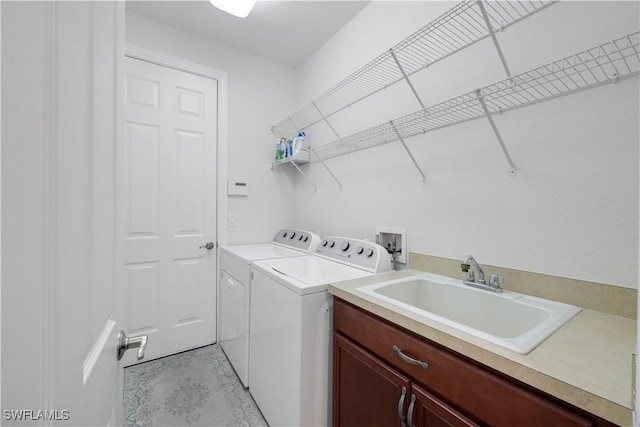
(234, 324)
(310, 274)
(289, 354)
(248, 253)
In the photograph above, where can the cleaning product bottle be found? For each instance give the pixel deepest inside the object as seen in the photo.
(279, 148)
(300, 143)
(289, 148)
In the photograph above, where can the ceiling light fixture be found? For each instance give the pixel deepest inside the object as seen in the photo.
(239, 8)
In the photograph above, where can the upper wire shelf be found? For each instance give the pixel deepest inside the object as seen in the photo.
(605, 63)
(458, 28)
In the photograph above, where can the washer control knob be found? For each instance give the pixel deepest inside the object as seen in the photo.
(292, 235)
(284, 234)
(332, 243)
(344, 246)
(369, 253)
(359, 250)
(324, 242)
(306, 238)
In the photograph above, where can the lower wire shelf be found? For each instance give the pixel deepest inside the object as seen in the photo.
(606, 63)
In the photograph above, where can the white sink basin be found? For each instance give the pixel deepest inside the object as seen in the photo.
(514, 321)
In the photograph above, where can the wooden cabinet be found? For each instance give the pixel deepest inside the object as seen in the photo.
(364, 383)
(430, 411)
(367, 387)
(384, 375)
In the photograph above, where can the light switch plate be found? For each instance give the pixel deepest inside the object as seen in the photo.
(232, 220)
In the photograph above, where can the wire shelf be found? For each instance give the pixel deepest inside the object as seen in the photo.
(458, 28)
(605, 63)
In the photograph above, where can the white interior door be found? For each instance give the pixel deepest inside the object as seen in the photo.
(168, 207)
(59, 299)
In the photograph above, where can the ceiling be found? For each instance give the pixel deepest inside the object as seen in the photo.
(286, 32)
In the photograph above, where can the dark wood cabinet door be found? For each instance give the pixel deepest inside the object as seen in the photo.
(429, 411)
(366, 391)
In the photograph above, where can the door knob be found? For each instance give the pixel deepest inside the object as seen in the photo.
(125, 343)
(208, 245)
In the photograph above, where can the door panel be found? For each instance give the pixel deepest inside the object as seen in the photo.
(59, 116)
(142, 142)
(190, 177)
(432, 412)
(366, 392)
(142, 283)
(168, 211)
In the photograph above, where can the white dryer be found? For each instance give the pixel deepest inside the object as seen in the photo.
(235, 283)
(291, 312)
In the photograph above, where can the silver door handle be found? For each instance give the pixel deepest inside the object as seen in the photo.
(401, 406)
(410, 411)
(125, 343)
(208, 245)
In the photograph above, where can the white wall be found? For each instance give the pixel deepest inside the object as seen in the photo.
(572, 209)
(260, 92)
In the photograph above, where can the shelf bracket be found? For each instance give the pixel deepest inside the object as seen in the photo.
(325, 120)
(406, 78)
(327, 168)
(495, 40)
(415, 163)
(303, 174)
(512, 168)
(337, 136)
(633, 46)
(295, 126)
(313, 151)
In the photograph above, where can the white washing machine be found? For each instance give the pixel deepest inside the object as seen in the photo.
(234, 295)
(291, 312)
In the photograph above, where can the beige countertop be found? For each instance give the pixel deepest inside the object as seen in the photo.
(587, 362)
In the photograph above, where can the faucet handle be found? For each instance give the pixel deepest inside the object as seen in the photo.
(496, 280)
(469, 276)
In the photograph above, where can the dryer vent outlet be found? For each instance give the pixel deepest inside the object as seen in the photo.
(394, 240)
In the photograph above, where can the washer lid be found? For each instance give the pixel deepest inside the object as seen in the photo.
(261, 251)
(305, 275)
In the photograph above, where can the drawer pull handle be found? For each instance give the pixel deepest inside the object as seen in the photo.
(408, 359)
(410, 411)
(401, 406)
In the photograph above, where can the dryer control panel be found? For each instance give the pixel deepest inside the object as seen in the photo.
(297, 239)
(358, 253)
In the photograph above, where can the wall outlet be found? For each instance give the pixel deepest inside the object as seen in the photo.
(394, 240)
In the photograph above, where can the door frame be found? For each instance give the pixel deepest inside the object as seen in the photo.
(222, 77)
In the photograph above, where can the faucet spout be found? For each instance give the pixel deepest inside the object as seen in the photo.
(469, 262)
(495, 281)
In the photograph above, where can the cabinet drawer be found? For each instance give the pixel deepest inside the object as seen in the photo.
(483, 395)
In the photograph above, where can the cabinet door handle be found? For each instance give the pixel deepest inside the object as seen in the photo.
(401, 406)
(408, 359)
(410, 410)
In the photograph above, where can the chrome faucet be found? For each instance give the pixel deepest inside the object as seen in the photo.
(495, 281)
(468, 273)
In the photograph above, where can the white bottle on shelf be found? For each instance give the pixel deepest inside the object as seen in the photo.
(300, 143)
